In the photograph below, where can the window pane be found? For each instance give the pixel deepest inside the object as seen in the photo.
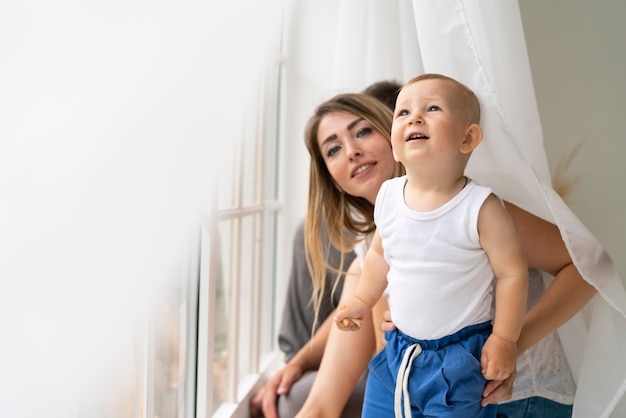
(222, 303)
(268, 283)
(250, 166)
(228, 176)
(170, 346)
(246, 295)
(270, 149)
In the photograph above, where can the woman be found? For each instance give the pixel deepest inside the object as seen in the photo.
(351, 156)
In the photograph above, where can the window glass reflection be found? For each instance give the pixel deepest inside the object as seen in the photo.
(170, 353)
(228, 176)
(250, 165)
(219, 379)
(166, 353)
(246, 295)
(268, 283)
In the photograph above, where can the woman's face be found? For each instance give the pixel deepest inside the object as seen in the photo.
(358, 157)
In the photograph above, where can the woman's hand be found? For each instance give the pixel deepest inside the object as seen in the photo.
(386, 325)
(264, 403)
(498, 390)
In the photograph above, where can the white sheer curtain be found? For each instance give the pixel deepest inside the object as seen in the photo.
(337, 46)
(480, 43)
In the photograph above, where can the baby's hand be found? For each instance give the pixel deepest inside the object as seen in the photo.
(346, 322)
(498, 358)
(349, 316)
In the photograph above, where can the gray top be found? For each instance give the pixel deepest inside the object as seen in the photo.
(298, 313)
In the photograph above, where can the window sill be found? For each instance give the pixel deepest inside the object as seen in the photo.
(249, 386)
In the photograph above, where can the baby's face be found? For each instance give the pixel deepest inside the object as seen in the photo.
(429, 122)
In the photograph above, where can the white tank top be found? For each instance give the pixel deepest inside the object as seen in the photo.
(440, 279)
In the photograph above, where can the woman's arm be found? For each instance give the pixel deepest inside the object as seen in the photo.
(567, 294)
(307, 358)
(345, 358)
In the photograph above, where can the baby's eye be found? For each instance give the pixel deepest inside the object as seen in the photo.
(433, 108)
(332, 150)
(363, 132)
(401, 113)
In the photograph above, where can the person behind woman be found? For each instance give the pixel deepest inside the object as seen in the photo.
(385, 90)
(348, 139)
(440, 240)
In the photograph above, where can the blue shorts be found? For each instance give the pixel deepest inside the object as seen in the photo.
(444, 379)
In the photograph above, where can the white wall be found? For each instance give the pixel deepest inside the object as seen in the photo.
(578, 64)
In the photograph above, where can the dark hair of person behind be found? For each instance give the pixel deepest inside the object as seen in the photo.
(386, 91)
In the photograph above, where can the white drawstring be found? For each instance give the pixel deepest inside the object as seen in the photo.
(402, 381)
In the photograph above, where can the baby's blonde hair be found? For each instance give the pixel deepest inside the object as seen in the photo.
(468, 97)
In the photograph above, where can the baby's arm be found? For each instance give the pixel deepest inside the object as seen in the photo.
(369, 289)
(499, 238)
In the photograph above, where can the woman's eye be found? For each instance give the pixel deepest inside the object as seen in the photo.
(332, 150)
(433, 108)
(363, 132)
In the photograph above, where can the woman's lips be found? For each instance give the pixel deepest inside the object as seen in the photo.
(362, 168)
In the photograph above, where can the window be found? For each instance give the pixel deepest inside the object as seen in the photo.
(210, 338)
(237, 296)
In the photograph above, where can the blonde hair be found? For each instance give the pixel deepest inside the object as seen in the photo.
(469, 101)
(348, 218)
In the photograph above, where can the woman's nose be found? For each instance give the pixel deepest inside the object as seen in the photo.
(354, 150)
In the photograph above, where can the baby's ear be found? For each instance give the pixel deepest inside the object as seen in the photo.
(473, 137)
